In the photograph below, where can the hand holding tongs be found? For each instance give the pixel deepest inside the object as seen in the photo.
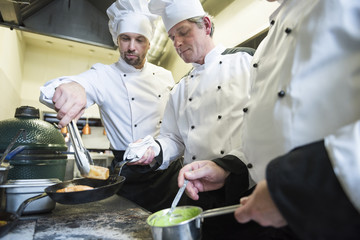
(82, 155)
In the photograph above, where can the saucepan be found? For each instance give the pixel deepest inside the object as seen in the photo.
(184, 223)
(101, 189)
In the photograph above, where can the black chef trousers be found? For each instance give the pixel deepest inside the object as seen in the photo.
(150, 189)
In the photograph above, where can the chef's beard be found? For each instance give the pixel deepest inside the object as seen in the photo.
(135, 62)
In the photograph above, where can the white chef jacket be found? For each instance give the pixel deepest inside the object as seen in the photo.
(204, 115)
(131, 101)
(301, 93)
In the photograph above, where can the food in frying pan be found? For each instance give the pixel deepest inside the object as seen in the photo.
(75, 188)
(97, 172)
(2, 223)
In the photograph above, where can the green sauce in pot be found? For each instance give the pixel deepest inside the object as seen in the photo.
(179, 215)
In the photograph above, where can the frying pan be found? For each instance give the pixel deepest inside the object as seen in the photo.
(102, 189)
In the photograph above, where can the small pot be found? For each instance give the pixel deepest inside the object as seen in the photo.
(14, 192)
(189, 229)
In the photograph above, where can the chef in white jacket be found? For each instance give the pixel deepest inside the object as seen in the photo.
(206, 106)
(305, 112)
(131, 95)
(203, 118)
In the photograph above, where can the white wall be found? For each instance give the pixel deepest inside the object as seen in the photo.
(27, 61)
(11, 59)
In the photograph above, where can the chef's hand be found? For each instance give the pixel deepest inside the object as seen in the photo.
(203, 176)
(143, 151)
(260, 207)
(70, 101)
(146, 159)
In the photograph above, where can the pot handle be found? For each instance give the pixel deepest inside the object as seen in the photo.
(219, 211)
(25, 203)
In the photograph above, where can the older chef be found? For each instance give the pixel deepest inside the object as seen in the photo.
(206, 106)
(305, 112)
(123, 92)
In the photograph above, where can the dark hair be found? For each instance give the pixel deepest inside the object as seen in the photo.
(199, 21)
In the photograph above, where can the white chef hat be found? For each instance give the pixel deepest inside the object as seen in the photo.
(130, 16)
(175, 11)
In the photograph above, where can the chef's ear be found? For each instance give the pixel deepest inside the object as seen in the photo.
(207, 25)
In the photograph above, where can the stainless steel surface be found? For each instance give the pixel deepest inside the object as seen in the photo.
(17, 191)
(82, 155)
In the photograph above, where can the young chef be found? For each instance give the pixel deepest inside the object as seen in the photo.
(203, 118)
(124, 92)
(307, 114)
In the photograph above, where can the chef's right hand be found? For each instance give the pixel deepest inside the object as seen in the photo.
(70, 101)
(203, 176)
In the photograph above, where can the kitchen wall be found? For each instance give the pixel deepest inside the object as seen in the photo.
(28, 60)
(11, 60)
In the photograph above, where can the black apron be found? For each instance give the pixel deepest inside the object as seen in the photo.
(152, 190)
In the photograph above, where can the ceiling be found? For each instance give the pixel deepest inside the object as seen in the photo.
(82, 21)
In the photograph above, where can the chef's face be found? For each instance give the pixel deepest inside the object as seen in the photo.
(133, 48)
(188, 39)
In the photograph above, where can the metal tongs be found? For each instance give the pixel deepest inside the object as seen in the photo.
(82, 155)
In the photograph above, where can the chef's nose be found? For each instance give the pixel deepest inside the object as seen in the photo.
(177, 42)
(132, 45)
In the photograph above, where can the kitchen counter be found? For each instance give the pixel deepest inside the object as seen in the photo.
(111, 218)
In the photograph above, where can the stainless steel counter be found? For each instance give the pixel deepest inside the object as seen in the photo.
(111, 218)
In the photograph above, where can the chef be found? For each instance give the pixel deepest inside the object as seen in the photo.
(124, 92)
(204, 114)
(304, 114)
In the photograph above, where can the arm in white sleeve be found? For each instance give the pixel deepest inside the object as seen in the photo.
(343, 148)
(170, 140)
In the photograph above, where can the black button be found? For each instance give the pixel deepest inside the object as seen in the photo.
(192, 127)
(160, 121)
(124, 75)
(220, 62)
(245, 110)
(219, 87)
(281, 93)
(222, 152)
(133, 99)
(135, 125)
(255, 65)
(287, 30)
(190, 99)
(153, 73)
(159, 95)
(219, 117)
(249, 165)
(192, 76)
(272, 22)
(193, 158)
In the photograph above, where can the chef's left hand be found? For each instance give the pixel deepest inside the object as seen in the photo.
(260, 207)
(143, 151)
(146, 159)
